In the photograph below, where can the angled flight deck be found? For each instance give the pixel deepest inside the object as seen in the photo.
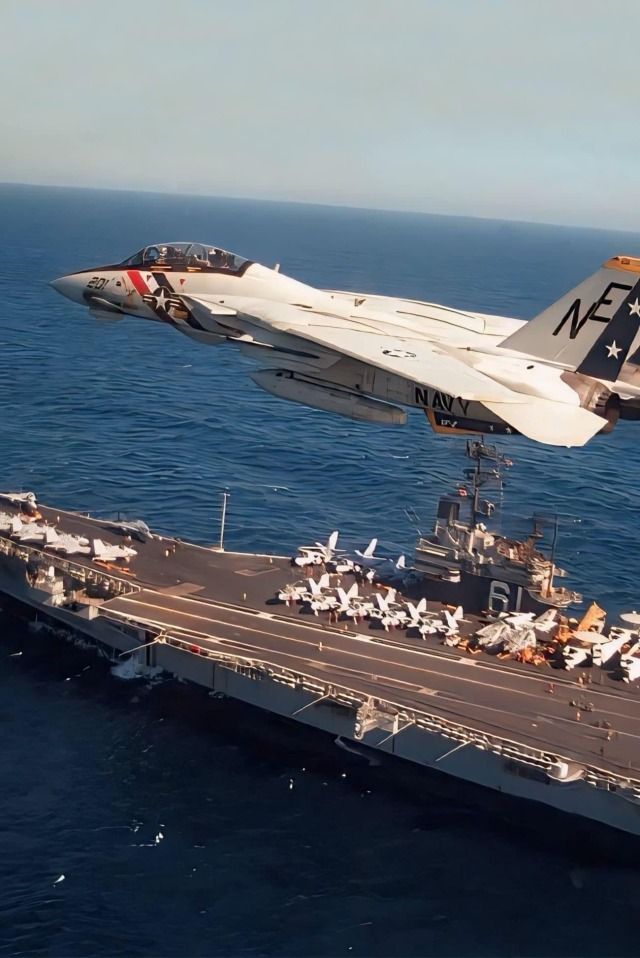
(211, 617)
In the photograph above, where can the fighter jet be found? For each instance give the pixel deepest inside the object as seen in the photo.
(567, 374)
(109, 553)
(67, 544)
(135, 528)
(317, 554)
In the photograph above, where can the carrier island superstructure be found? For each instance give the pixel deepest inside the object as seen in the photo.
(442, 675)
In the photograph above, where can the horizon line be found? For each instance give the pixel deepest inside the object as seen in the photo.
(322, 205)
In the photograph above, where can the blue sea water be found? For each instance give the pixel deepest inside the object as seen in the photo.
(133, 417)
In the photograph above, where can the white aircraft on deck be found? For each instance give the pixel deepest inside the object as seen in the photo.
(382, 565)
(367, 557)
(320, 597)
(391, 614)
(318, 553)
(567, 374)
(31, 533)
(420, 619)
(67, 544)
(293, 592)
(109, 553)
(352, 605)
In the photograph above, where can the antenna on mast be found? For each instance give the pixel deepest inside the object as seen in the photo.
(484, 475)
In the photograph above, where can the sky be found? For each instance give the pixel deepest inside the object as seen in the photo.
(515, 109)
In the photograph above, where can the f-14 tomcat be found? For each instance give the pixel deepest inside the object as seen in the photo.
(570, 372)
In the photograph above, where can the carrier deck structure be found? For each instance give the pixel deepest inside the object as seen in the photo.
(209, 617)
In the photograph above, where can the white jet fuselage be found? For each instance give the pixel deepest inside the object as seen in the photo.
(365, 355)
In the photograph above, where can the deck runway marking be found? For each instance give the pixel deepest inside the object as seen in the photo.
(326, 642)
(254, 572)
(372, 662)
(436, 654)
(439, 655)
(291, 639)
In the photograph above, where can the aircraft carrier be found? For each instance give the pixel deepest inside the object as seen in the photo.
(529, 726)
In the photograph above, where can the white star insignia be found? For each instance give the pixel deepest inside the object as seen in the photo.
(634, 308)
(613, 351)
(162, 296)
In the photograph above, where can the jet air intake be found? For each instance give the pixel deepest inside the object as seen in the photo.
(323, 395)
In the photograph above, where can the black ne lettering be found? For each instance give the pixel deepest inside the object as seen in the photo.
(573, 313)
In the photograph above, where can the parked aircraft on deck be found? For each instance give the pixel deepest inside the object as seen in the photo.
(567, 374)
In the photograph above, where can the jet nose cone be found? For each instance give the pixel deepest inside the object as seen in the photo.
(70, 286)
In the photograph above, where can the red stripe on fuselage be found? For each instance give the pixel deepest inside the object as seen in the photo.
(137, 280)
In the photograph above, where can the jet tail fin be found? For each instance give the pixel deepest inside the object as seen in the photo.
(371, 548)
(342, 595)
(592, 328)
(98, 548)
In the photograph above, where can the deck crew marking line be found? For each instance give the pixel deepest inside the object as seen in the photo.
(246, 649)
(346, 652)
(440, 706)
(434, 653)
(442, 703)
(440, 655)
(328, 646)
(389, 646)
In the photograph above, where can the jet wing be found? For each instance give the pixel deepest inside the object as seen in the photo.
(417, 360)
(412, 358)
(421, 361)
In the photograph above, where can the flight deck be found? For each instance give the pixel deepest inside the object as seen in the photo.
(212, 617)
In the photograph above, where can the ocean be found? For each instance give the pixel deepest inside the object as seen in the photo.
(189, 831)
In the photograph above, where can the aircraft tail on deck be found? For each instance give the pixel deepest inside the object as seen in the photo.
(592, 328)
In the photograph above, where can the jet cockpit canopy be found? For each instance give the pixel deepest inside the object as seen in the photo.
(189, 257)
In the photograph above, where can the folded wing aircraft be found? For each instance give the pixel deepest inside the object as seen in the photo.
(567, 374)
